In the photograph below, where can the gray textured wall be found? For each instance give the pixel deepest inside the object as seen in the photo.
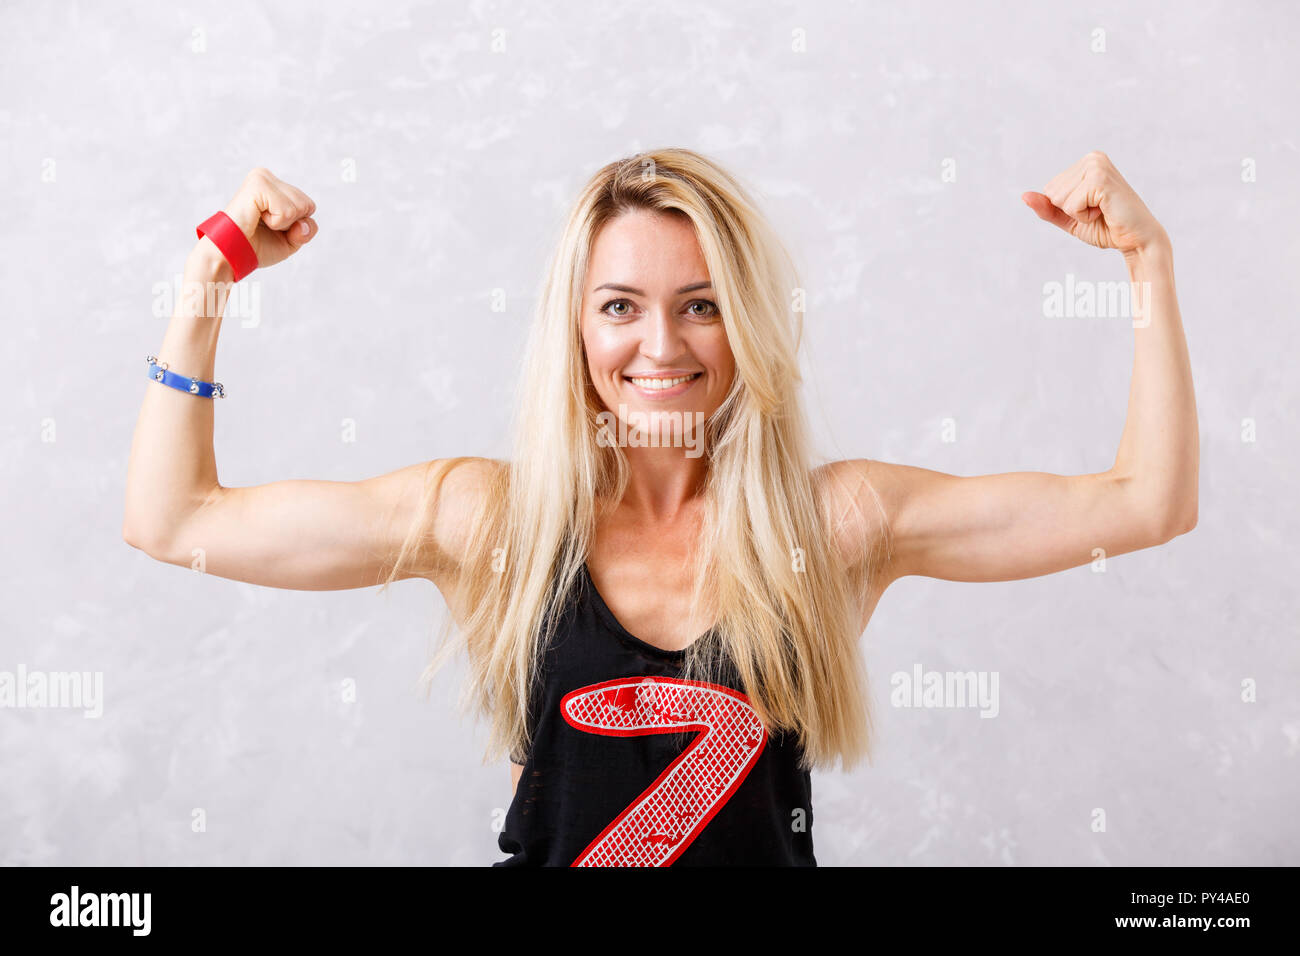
(124, 127)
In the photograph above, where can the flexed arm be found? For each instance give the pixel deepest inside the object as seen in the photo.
(301, 534)
(173, 468)
(1159, 451)
(1023, 524)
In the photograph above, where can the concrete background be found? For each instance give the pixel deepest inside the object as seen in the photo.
(470, 126)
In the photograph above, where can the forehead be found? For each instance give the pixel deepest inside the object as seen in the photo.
(648, 250)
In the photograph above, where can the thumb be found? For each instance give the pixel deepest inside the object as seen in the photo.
(301, 232)
(1045, 210)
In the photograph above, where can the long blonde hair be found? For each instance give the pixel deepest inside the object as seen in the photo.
(787, 616)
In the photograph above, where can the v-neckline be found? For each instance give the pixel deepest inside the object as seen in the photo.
(603, 608)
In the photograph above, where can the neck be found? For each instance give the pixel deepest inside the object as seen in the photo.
(663, 484)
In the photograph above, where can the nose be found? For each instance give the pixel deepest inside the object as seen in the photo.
(662, 342)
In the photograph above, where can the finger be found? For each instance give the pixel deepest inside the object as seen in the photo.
(1064, 182)
(1047, 210)
(296, 237)
(301, 199)
(279, 207)
(280, 211)
(1084, 201)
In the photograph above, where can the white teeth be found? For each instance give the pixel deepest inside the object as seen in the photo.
(659, 383)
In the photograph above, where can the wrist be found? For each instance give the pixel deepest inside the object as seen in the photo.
(209, 281)
(206, 263)
(1157, 254)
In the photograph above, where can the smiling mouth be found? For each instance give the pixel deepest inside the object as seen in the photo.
(662, 384)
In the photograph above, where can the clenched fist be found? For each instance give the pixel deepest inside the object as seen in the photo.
(273, 215)
(1091, 201)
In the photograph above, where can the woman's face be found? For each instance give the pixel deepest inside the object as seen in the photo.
(648, 313)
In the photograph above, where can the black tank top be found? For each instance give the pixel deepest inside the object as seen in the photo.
(632, 766)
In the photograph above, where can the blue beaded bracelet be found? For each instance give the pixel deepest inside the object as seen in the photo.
(159, 373)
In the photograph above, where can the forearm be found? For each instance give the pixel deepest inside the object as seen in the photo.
(173, 467)
(1159, 451)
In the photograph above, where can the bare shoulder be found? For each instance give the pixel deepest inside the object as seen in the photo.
(859, 497)
(457, 491)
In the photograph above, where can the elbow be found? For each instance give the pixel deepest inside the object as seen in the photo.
(1180, 523)
(1162, 515)
(130, 537)
(149, 544)
(134, 540)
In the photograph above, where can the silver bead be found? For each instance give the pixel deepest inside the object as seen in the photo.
(194, 386)
(158, 375)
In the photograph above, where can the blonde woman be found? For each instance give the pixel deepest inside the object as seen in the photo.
(660, 597)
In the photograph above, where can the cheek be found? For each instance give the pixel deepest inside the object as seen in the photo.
(604, 355)
(717, 353)
(608, 349)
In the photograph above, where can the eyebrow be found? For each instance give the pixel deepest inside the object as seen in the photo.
(627, 288)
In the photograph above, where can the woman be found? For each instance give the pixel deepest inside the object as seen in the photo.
(660, 598)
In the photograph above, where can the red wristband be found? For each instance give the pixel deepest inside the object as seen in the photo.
(232, 242)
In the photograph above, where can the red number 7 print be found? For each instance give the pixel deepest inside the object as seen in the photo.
(662, 822)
